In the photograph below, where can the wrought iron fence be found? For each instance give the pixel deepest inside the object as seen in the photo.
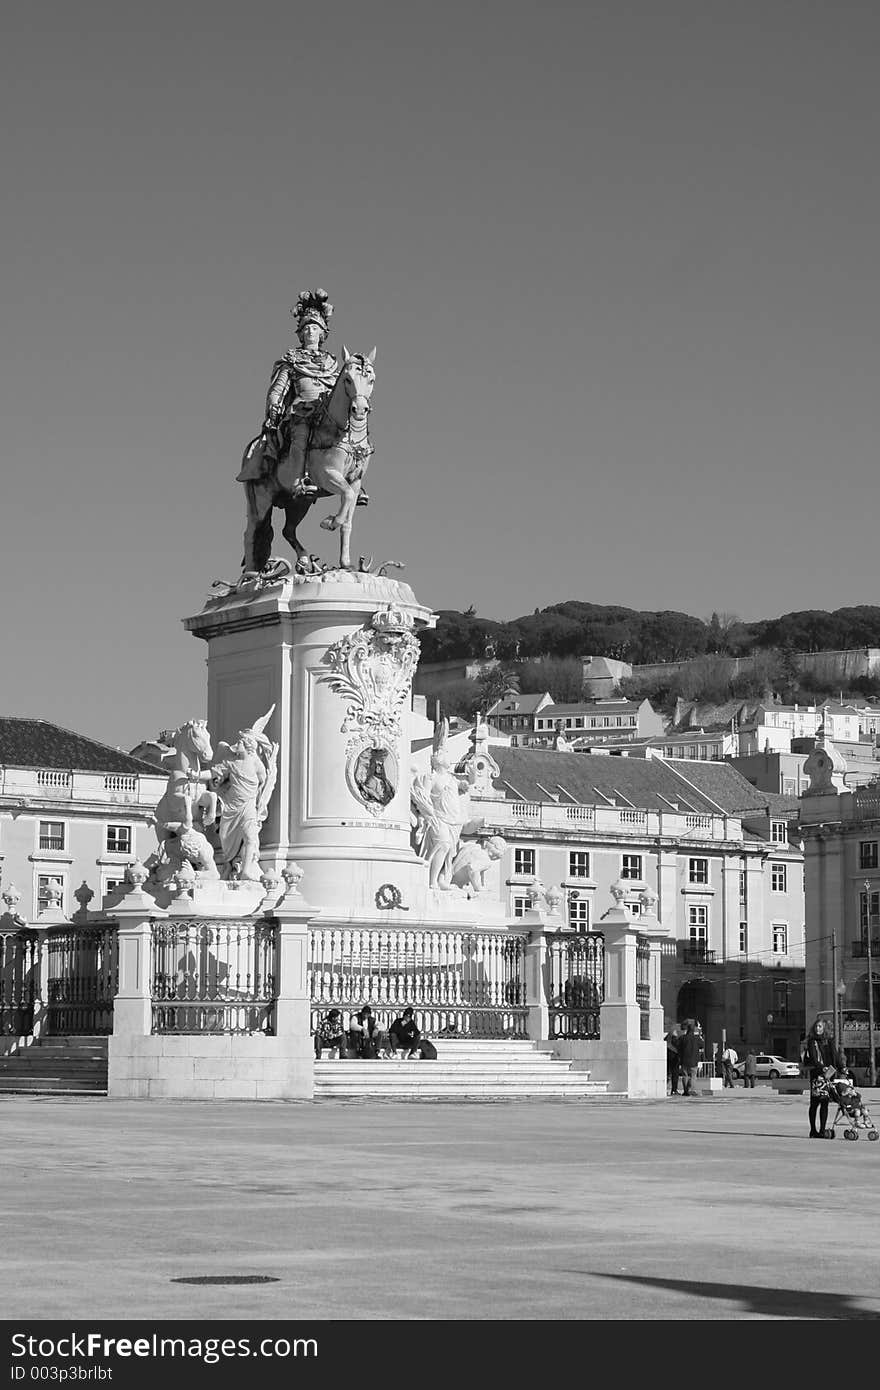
(576, 984)
(470, 982)
(643, 986)
(18, 983)
(213, 976)
(83, 978)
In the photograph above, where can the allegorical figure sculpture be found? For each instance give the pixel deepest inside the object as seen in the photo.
(474, 860)
(186, 809)
(244, 780)
(440, 806)
(314, 441)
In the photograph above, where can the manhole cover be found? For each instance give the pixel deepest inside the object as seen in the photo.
(227, 1279)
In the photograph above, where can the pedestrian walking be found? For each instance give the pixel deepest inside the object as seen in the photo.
(822, 1058)
(750, 1069)
(673, 1063)
(729, 1059)
(689, 1055)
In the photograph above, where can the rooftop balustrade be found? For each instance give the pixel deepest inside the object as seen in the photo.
(619, 820)
(51, 785)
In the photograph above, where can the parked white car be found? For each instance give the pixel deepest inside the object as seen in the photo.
(767, 1066)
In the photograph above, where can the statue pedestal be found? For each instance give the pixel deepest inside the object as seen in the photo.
(335, 654)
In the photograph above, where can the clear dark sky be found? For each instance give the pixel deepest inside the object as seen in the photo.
(619, 260)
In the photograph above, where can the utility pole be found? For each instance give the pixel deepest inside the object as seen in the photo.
(837, 1035)
(872, 1062)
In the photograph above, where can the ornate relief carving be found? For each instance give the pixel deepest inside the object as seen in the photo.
(373, 669)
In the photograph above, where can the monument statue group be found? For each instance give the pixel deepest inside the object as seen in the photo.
(314, 443)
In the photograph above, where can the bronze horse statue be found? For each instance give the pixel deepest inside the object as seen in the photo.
(337, 458)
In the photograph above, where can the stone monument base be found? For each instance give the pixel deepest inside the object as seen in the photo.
(211, 1067)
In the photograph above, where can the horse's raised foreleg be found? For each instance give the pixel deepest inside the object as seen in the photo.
(295, 509)
(260, 496)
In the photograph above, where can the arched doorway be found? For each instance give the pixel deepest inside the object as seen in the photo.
(698, 999)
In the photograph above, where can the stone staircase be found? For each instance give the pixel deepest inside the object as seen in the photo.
(55, 1067)
(464, 1069)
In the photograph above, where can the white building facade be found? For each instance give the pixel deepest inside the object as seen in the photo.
(72, 812)
(731, 896)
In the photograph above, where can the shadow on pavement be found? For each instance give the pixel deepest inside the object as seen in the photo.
(745, 1134)
(779, 1303)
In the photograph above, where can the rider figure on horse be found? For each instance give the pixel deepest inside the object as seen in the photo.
(301, 382)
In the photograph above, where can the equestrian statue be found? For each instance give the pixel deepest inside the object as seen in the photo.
(314, 442)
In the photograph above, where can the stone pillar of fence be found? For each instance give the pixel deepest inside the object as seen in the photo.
(656, 933)
(133, 1005)
(293, 1005)
(538, 1023)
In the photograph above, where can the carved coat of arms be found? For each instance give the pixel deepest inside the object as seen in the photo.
(373, 669)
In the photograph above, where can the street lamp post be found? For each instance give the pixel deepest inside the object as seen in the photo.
(838, 1009)
(872, 1063)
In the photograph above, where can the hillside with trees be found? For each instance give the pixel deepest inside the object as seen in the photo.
(543, 650)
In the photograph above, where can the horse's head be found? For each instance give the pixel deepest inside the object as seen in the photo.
(358, 376)
(193, 738)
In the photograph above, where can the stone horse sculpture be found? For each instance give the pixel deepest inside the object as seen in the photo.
(186, 808)
(337, 458)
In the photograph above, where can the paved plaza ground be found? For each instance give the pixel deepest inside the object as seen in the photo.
(711, 1208)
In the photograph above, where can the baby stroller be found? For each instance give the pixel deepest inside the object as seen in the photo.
(852, 1112)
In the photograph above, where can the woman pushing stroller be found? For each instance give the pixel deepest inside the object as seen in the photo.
(822, 1058)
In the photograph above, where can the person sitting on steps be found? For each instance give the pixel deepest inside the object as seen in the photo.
(404, 1036)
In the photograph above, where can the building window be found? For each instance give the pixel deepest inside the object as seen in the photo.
(631, 866)
(520, 907)
(780, 999)
(778, 878)
(698, 871)
(45, 884)
(868, 854)
(579, 914)
(780, 939)
(523, 861)
(578, 864)
(579, 723)
(111, 884)
(779, 832)
(789, 786)
(743, 938)
(698, 927)
(51, 834)
(119, 839)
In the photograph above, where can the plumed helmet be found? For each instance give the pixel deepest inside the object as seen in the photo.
(313, 306)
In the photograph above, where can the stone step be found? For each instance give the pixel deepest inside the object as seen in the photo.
(53, 1085)
(29, 1065)
(451, 1091)
(463, 1068)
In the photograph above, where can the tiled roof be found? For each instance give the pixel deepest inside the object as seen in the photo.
(37, 743)
(592, 707)
(517, 704)
(721, 783)
(530, 774)
(709, 716)
(782, 807)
